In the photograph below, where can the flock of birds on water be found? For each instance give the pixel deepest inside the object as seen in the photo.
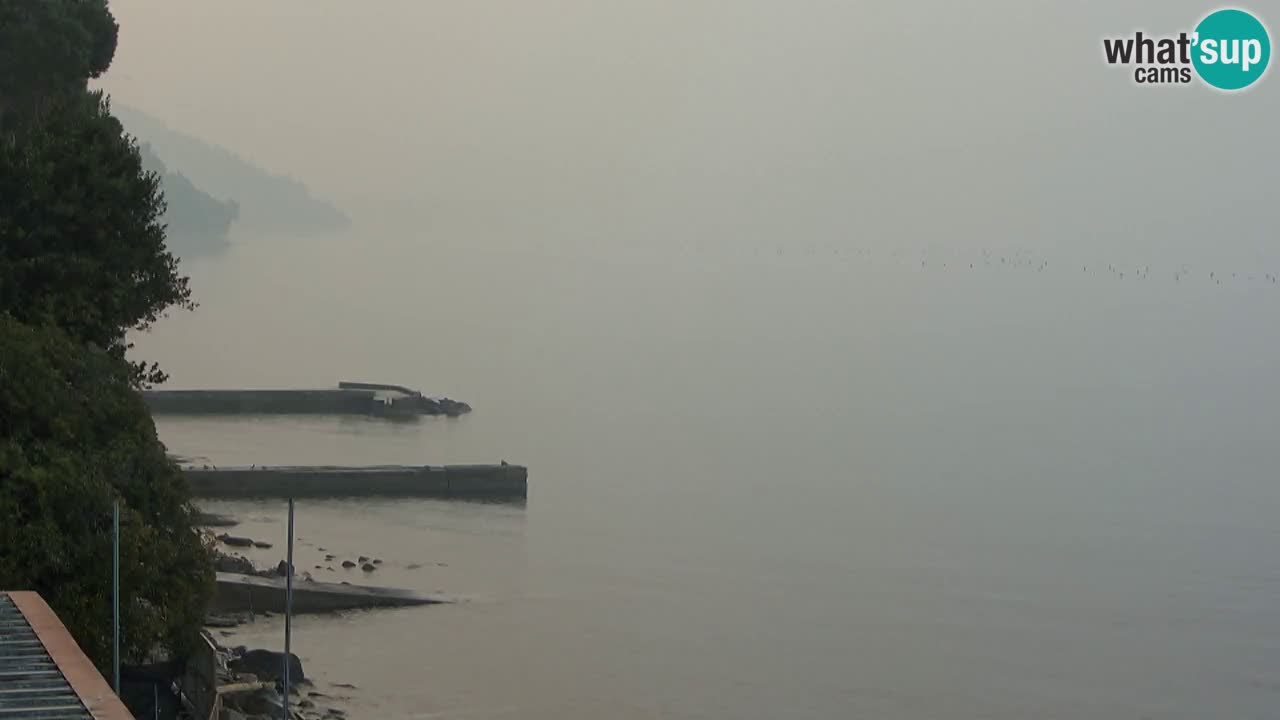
(1016, 260)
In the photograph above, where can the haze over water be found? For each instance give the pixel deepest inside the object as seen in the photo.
(706, 269)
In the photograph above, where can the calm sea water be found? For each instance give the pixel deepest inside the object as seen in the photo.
(767, 481)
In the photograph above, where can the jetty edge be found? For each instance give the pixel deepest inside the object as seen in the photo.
(349, 398)
(492, 482)
(251, 593)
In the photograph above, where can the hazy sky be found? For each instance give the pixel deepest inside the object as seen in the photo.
(802, 484)
(648, 120)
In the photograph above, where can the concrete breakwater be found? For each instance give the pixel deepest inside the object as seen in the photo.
(493, 482)
(245, 593)
(348, 398)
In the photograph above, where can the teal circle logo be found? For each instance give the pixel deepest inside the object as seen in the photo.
(1231, 49)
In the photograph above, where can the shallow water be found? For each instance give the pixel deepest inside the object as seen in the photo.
(809, 482)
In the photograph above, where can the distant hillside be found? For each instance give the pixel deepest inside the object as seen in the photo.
(193, 216)
(266, 201)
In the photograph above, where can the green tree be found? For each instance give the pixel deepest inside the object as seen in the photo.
(51, 47)
(82, 262)
(82, 241)
(75, 436)
(82, 245)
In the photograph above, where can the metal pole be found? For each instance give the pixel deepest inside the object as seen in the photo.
(115, 595)
(288, 610)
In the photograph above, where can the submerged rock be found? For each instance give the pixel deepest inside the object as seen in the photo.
(267, 664)
(368, 567)
(348, 564)
(443, 406)
(260, 544)
(233, 564)
(257, 704)
(235, 541)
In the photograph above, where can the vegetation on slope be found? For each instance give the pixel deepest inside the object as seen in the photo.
(83, 260)
(267, 202)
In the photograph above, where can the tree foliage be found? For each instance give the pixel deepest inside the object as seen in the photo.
(82, 262)
(50, 47)
(82, 244)
(75, 436)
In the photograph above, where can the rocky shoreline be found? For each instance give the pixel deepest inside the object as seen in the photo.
(250, 684)
(233, 563)
(249, 679)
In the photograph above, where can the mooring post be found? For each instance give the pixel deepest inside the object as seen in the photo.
(115, 596)
(288, 610)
